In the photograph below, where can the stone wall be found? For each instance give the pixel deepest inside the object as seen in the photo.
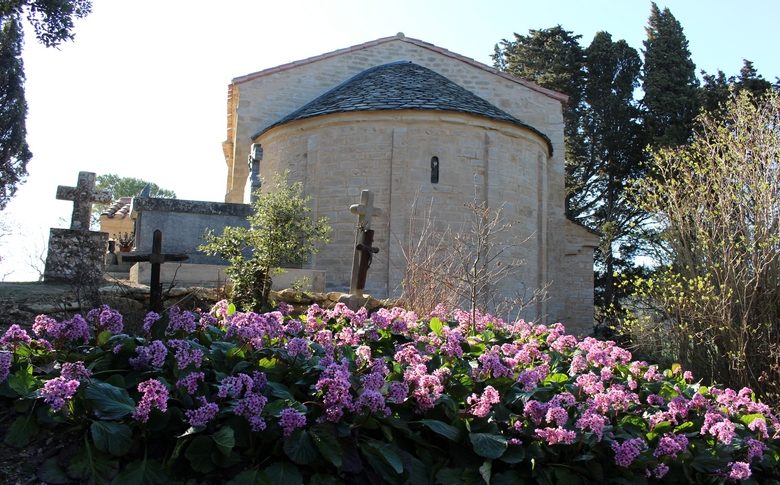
(258, 100)
(390, 153)
(578, 283)
(75, 256)
(183, 224)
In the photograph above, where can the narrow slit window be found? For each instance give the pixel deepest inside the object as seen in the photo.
(434, 170)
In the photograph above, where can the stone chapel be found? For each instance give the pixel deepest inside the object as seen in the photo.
(412, 121)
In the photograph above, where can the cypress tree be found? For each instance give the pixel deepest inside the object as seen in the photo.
(14, 152)
(670, 83)
(554, 59)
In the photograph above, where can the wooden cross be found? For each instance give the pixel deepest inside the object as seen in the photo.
(156, 257)
(82, 196)
(364, 237)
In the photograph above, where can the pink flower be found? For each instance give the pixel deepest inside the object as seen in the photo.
(298, 346)
(203, 414)
(155, 396)
(556, 415)
(75, 371)
(149, 320)
(5, 365)
(190, 381)
(554, 436)
(290, 420)
(739, 470)
(185, 354)
(106, 318)
(671, 445)
(755, 449)
(626, 453)
(13, 336)
(591, 420)
(179, 320)
(58, 391)
(481, 405)
(152, 355)
(659, 471)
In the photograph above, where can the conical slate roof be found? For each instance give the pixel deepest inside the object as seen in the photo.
(400, 86)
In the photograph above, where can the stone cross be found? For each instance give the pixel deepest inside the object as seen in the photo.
(364, 250)
(156, 257)
(82, 196)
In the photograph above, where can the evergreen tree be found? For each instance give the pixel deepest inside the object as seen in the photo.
(14, 152)
(670, 83)
(717, 89)
(615, 141)
(554, 59)
(52, 21)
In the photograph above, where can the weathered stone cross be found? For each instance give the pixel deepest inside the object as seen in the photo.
(156, 257)
(82, 195)
(364, 237)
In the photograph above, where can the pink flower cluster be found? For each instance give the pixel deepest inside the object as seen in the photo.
(185, 354)
(249, 402)
(58, 391)
(65, 331)
(290, 420)
(190, 381)
(14, 336)
(106, 318)
(152, 355)
(75, 371)
(155, 396)
(150, 320)
(180, 321)
(5, 364)
(481, 405)
(201, 415)
(628, 451)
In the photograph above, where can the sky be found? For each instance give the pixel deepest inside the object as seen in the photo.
(142, 90)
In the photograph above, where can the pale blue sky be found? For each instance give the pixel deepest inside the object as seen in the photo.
(142, 90)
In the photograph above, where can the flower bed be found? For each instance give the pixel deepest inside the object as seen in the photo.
(335, 396)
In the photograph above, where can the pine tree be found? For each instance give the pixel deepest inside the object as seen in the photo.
(670, 83)
(554, 59)
(717, 90)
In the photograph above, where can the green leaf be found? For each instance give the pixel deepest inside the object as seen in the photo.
(20, 431)
(92, 465)
(114, 438)
(448, 476)
(510, 477)
(321, 479)
(436, 326)
(250, 477)
(486, 470)
(280, 391)
(109, 402)
(488, 445)
(388, 454)
(450, 432)
(283, 473)
(300, 448)
(50, 472)
(324, 437)
(749, 418)
(199, 454)
(103, 337)
(231, 309)
(22, 381)
(141, 472)
(225, 439)
(514, 454)
(557, 378)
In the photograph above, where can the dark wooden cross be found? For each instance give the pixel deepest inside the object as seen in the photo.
(82, 196)
(364, 238)
(156, 258)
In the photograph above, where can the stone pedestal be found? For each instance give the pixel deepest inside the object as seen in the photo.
(75, 256)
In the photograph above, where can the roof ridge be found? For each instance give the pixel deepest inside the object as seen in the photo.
(427, 45)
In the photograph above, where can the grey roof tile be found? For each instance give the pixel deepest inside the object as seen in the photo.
(401, 85)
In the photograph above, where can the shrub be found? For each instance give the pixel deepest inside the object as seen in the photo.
(717, 202)
(336, 396)
(281, 231)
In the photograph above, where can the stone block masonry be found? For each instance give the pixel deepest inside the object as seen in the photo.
(75, 256)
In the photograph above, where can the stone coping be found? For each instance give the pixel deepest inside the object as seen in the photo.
(190, 206)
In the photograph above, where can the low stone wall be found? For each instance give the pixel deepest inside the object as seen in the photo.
(213, 276)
